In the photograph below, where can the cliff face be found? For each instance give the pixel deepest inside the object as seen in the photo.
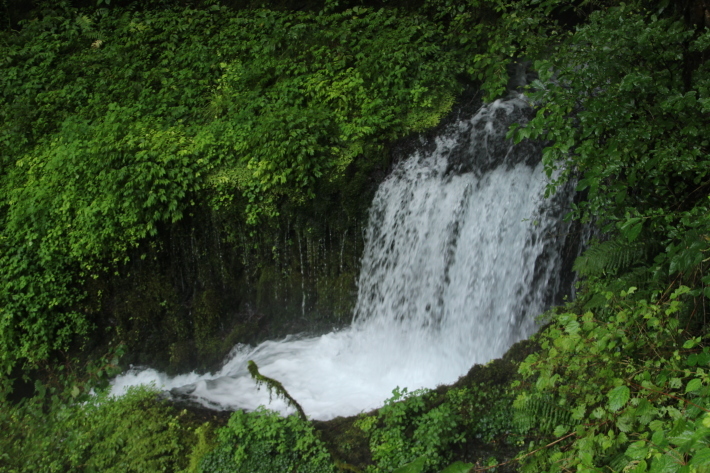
(210, 281)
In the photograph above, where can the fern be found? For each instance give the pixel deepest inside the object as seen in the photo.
(541, 413)
(611, 256)
(86, 25)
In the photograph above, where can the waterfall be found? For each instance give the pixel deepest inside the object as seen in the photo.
(462, 252)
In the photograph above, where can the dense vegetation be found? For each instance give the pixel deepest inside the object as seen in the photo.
(120, 122)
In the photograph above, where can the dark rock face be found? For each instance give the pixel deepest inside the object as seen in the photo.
(207, 283)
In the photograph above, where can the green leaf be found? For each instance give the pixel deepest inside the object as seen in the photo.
(665, 464)
(659, 438)
(701, 458)
(560, 430)
(618, 397)
(640, 467)
(693, 385)
(458, 467)
(637, 450)
(417, 466)
(631, 228)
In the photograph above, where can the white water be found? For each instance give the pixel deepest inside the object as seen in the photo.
(455, 268)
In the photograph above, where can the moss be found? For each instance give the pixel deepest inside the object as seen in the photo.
(206, 319)
(337, 296)
(139, 312)
(348, 445)
(182, 353)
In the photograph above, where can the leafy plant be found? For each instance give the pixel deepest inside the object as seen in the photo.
(406, 431)
(263, 441)
(133, 433)
(119, 121)
(487, 412)
(637, 399)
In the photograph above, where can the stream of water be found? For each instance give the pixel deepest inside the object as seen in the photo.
(462, 252)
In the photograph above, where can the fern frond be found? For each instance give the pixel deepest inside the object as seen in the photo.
(541, 413)
(610, 256)
(86, 25)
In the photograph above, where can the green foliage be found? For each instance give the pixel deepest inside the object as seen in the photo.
(135, 433)
(407, 432)
(115, 123)
(458, 467)
(263, 441)
(610, 256)
(487, 412)
(635, 398)
(418, 466)
(541, 414)
(204, 445)
(621, 382)
(643, 161)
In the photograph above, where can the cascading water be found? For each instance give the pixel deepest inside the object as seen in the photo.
(462, 251)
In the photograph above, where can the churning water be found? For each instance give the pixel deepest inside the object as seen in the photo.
(462, 252)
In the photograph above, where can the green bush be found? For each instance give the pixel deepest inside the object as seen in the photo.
(133, 433)
(263, 441)
(405, 429)
(629, 389)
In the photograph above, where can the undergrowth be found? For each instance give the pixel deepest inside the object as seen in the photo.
(133, 433)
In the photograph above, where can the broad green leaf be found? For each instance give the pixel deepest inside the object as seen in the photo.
(417, 466)
(458, 467)
(693, 385)
(637, 450)
(618, 397)
(560, 430)
(665, 464)
(701, 458)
